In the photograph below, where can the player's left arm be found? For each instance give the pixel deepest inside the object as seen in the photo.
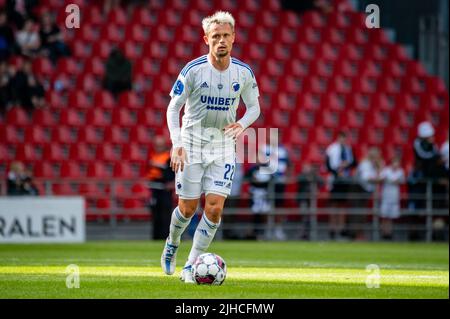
(250, 96)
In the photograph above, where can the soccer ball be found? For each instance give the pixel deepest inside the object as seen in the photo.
(209, 269)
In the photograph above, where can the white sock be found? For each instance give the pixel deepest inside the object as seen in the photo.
(178, 224)
(204, 234)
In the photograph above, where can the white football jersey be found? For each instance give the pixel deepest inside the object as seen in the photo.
(211, 98)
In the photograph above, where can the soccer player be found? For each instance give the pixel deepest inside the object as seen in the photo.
(203, 153)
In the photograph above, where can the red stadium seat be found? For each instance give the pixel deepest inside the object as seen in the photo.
(17, 116)
(104, 99)
(137, 33)
(56, 152)
(13, 134)
(36, 135)
(108, 152)
(95, 67)
(116, 134)
(98, 117)
(71, 117)
(142, 133)
(44, 170)
(64, 134)
(290, 19)
(313, 19)
(43, 67)
(44, 117)
(88, 83)
(91, 135)
(79, 99)
(97, 170)
(117, 16)
(352, 52)
(103, 203)
(101, 49)
(26, 152)
(91, 189)
(82, 152)
(305, 118)
(63, 189)
(88, 33)
(124, 170)
(145, 17)
(132, 50)
(69, 66)
(132, 152)
(123, 117)
(130, 100)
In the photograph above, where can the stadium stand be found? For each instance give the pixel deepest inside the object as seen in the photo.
(317, 74)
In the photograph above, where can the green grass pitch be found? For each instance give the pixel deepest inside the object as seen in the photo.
(130, 269)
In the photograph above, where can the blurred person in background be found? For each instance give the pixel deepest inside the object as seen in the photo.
(28, 39)
(445, 159)
(19, 10)
(340, 161)
(260, 176)
(428, 160)
(20, 181)
(161, 178)
(5, 87)
(302, 6)
(51, 39)
(118, 72)
(426, 152)
(7, 39)
(391, 177)
(26, 89)
(367, 175)
(445, 154)
(279, 159)
(308, 181)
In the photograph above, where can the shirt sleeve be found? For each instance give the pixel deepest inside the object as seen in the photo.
(179, 94)
(250, 94)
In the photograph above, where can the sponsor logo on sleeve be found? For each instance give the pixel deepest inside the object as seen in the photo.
(178, 87)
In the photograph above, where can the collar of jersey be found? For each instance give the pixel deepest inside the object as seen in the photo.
(214, 68)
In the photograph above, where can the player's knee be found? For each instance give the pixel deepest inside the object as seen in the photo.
(188, 209)
(213, 211)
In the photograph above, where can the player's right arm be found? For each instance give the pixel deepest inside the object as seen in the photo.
(179, 94)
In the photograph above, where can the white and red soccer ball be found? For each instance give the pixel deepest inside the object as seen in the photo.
(209, 269)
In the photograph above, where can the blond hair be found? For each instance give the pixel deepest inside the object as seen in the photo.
(220, 17)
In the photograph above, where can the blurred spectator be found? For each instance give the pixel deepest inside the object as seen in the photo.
(340, 161)
(307, 5)
(52, 39)
(7, 40)
(308, 181)
(445, 155)
(367, 175)
(428, 161)
(235, 196)
(161, 178)
(445, 160)
(260, 176)
(19, 10)
(5, 87)
(109, 5)
(20, 181)
(279, 161)
(425, 150)
(117, 73)
(391, 176)
(28, 39)
(26, 89)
